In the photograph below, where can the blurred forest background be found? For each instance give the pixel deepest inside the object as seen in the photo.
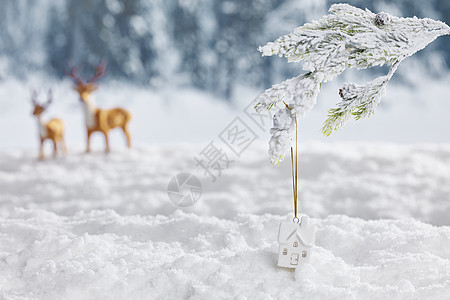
(210, 45)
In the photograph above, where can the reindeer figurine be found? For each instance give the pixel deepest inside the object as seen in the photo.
(97, 119)
(52, 130)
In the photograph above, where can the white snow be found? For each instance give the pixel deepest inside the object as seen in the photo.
(102, 255)
(102, 227)
(367, 180)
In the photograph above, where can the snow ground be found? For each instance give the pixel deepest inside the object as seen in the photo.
(366, 180)
(102, 227)
(102, 255)
(96, 226)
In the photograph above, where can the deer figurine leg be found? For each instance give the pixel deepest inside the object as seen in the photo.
(41, 149)
(88, 145)
(55, 148)
(106, 141)
(127, 135)
(63, 146)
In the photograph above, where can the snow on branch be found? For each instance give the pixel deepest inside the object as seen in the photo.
(349, 37)
(357, 101)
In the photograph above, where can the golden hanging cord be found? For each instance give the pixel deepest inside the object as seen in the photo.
(294, 169)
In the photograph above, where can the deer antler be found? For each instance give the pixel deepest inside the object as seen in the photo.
(34, 95)
(74, 75)
(49, 98)
(99, 71)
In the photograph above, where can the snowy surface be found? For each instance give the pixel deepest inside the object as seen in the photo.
(96, 226)
(102, 255)
(102, 227)
(370, 181)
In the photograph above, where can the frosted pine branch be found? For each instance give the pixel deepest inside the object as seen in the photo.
(301, 91)
(357, 101)
(282, 133)
(349, 37)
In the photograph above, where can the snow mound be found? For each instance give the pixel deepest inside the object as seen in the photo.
(102, 255)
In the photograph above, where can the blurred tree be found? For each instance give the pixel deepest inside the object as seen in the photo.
(186, 36)
(20, 37)
(239, 24)
(210, 44)
(57, 44)
(87, 31)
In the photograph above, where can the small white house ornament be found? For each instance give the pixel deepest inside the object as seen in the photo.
(296, 242)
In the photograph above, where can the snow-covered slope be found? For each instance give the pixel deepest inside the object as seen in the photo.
(102, 227)
(369, 180)
(102, 255)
